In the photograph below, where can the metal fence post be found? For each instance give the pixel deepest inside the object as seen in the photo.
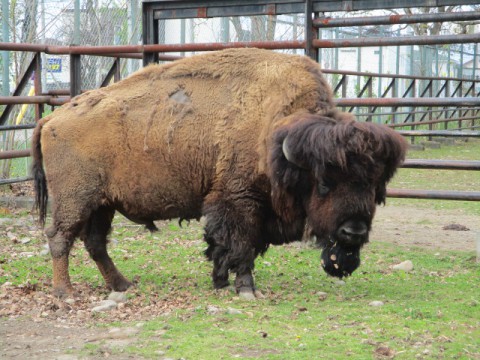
(38, 85)
(75, 75)
(310, 31)
(5, 53)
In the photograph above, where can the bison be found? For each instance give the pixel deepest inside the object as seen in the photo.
(249, 139)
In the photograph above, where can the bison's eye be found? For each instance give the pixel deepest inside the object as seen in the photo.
(323, 189)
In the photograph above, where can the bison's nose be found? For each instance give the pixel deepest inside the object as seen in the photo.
(353, 232)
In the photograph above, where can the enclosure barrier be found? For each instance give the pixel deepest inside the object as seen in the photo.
(154, 11)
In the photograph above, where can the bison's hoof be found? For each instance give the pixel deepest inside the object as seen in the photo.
(64, 292)
(220, 284)
(248, 293)
(120, 284)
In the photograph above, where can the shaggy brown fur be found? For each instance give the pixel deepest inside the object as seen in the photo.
(204, 136)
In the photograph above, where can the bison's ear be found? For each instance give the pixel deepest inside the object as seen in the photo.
(383, 145)
(394, 152)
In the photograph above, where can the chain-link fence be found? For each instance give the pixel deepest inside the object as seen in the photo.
(59, 22)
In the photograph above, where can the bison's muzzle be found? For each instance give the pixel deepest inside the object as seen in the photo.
(341, 255)
(353, 233)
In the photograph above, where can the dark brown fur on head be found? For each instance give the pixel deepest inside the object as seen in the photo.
(353, 160)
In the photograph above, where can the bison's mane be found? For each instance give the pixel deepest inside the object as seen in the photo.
(317, 144)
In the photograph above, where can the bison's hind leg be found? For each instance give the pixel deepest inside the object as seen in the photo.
(94, 236)
(60, 244)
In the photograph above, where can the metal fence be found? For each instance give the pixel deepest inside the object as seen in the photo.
(173, 28)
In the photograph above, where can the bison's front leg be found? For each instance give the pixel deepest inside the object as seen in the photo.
(231, 230)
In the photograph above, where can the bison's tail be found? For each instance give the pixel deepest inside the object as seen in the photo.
(39, 178)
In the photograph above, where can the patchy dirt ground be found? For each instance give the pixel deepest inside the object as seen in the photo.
(410, 226)
(35, 325)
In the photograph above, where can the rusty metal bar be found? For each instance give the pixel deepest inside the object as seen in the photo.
(272, 45)
(37, 81)
(117, 50)
(378, 102)
(17, 127)
(434, 194)
(354, 102)
(15, 180)
(400, 41)
(13, 154)
(441, 164)
(439, 133)
(126, 56)
(130, 50)
(15, 100)
(389, 102)
(327, 22)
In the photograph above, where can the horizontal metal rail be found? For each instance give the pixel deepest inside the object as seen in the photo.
(441, 164)
(17, 127)
(108, 50)
(397, 102)
(14, 154)
(387, 102)
(327, 22)
(117, 50)
(439, 133)
(396, 41)
(15, 180)
(39, 99)
(434, 194)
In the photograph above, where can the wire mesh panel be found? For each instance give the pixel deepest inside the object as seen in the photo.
(232, 29)
(60, 23)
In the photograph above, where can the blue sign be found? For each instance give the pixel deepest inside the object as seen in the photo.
(54, 65)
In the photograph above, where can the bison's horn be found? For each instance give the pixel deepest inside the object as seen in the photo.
(288, 155)
(285, 150)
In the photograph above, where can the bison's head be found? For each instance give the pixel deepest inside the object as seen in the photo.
(333, 171)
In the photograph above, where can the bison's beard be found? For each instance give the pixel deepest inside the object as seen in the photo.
(339, 261)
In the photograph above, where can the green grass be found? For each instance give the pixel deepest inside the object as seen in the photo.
(433, 312)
